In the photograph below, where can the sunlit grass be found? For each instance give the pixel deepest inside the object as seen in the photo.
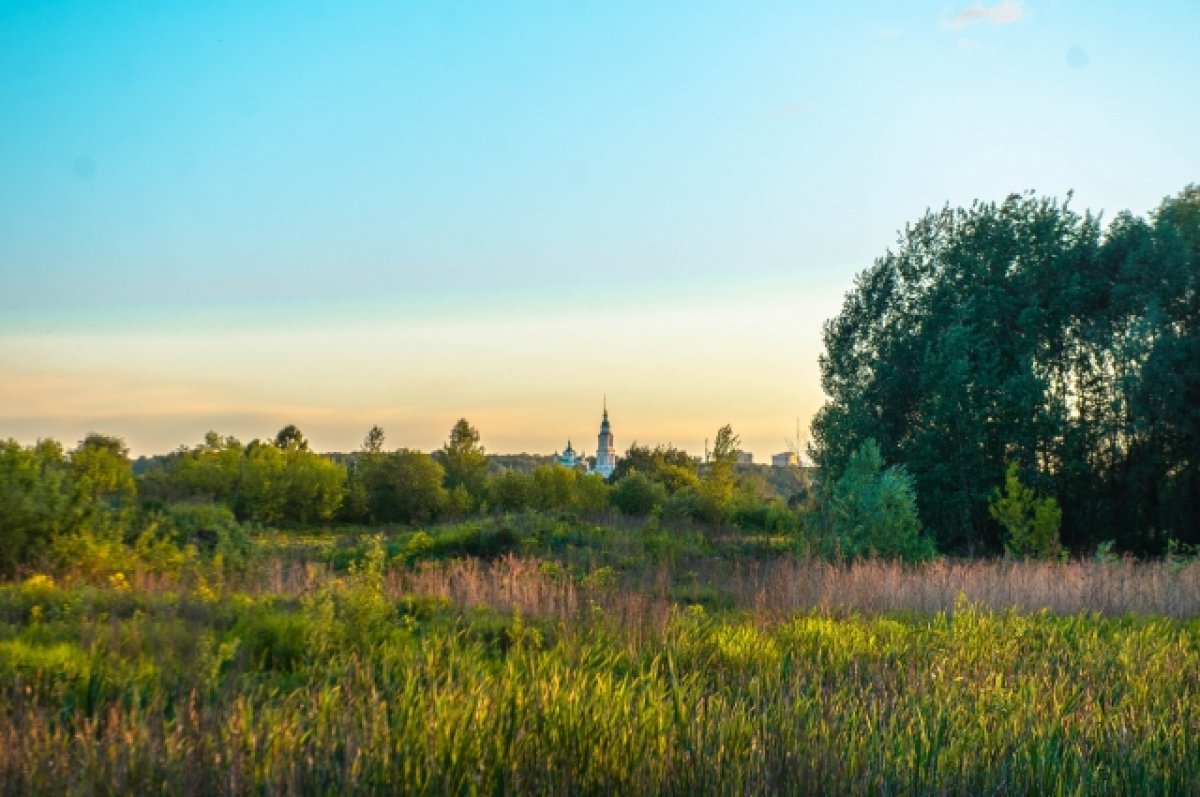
(519, 676)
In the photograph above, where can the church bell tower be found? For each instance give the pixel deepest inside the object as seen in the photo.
(606, 452)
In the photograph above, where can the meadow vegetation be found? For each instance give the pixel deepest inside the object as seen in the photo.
(990, 585)
(551, 655)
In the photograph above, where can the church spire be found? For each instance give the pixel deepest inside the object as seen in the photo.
(606, 455)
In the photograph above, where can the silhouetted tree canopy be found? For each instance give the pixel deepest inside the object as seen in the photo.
(1024, 331)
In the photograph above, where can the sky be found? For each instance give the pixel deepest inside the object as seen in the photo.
(236, 216)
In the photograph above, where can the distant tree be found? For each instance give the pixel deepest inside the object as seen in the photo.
(665, 464)
(592, 493)
(288, 484)
(262, 489)
(102, 470)
(464, 460)
(406, 487)
(38, 500)
(211, 470)
(290, 437)
(677, 477)
(638, 494)
(356, 506)
(512, 491)
(373, 442)
(717, 486)
(315, 487)
(553, 487)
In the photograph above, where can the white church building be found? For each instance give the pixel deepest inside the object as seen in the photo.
(606, 452)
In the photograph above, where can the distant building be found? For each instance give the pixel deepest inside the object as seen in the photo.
(606, 452)
(568, 458)
(745, 458)
(605, 461)
(786, 459)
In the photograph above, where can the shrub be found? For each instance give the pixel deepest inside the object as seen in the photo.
(38, 500)
(638, 495)
(1031, 524)
(874, 511)
(272, 639)
(512, 491)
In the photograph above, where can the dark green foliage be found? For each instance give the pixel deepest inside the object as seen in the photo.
(1024, 332)
(280, 483)
(405, 486)
(870, 510)
(464, 461)
(214, 530)
(290, 437)
(685, 504)
(512, 491)
(555, 488)
(1031, 523)
(662, 463)
(272, 639)
(481, 540)
(637, 494)
(38, 499)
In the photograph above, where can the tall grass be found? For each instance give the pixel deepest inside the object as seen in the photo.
(519, 674)
(790, 584)
(375, 681)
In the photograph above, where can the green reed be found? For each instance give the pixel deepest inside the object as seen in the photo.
(105, 690)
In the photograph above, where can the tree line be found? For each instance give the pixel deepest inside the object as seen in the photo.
(55, 503)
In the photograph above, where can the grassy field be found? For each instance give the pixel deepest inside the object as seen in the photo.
(367, 665)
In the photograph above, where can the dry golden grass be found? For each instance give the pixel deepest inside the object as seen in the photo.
(539, 588)
(794, 584)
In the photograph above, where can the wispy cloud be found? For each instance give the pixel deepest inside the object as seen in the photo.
(1003, 13)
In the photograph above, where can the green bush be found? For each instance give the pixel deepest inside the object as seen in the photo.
(39, 500)
(637, 495)
(272, 639)
(1031, 524)
(872, 510)
(512, 491)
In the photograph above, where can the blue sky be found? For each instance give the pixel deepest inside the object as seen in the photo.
(241, 215)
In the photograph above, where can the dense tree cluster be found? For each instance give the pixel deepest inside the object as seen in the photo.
(1027, 333)
(215, 493)
(279, 481)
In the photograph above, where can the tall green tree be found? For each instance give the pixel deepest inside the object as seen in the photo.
(405, 486)
(1032, 523)
(718, 485)
(1023, 331)
(464, 460)
(102, 470)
